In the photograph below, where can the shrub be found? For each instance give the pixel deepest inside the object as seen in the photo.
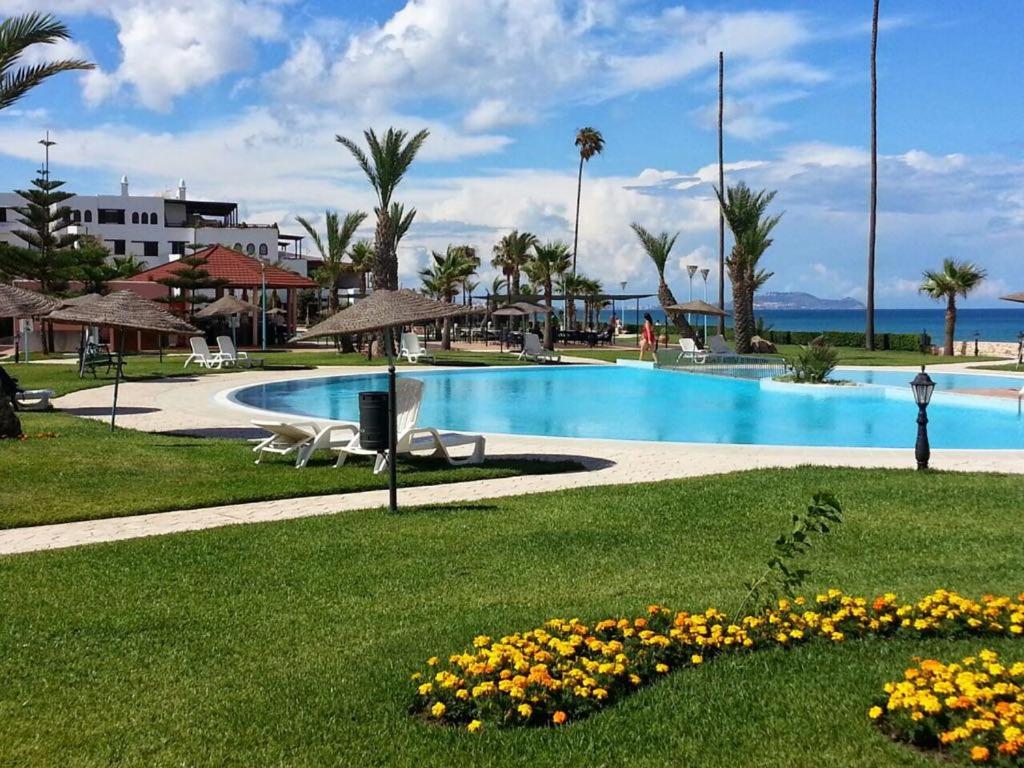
(815, 362)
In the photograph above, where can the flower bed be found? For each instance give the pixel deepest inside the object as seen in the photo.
(972, 709)
(567, 670)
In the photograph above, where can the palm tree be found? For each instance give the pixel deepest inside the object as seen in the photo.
(498, 284)
(744, 212)
(16, 35)
(339, 235)
(443, 278)
(385, 166)
(549, 261)
(589, 288)
(572, 285)
(361, 261)
(658, 247)
(590, 143)
(869, 334)
(128, 266)
(510, 254)
(956, 278)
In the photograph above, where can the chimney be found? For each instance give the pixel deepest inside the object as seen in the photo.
(124, 186)
(181, 189)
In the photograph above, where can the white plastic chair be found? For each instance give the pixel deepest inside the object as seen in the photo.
(412, 350)
(202, 355)
(688, 349)
(533, 350)
(409, 396)
(303, 439)
(228, 354)
(34, 399)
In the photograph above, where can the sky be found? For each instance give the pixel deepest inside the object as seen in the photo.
(243, 99)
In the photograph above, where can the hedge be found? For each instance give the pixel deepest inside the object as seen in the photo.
(906, 342)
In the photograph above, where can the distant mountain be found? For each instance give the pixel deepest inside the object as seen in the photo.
(781, 300)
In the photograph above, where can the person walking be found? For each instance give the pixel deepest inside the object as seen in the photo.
(648, 337)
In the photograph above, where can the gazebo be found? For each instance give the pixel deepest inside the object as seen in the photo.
(244, 274)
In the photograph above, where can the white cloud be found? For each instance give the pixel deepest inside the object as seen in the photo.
(489, 114)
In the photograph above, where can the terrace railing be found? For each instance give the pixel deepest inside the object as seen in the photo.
(733, 365)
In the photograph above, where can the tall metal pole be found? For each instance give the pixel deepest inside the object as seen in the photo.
(691, 270)
(721, 187)
(869, 325)
(47, 143)
(263, 282)
(704, 273)
(392, 423)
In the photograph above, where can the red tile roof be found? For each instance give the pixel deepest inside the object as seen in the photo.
(239, 270)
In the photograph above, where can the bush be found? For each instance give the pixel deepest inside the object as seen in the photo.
(907, 342)
(815, 362)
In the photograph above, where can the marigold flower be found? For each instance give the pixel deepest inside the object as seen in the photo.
(875, 712)
(559, 717)
(438, 709)
(474, 726)
(979, 754)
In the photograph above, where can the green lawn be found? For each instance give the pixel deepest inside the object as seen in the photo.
(1005, 367)
(87, 472)
(291, 643)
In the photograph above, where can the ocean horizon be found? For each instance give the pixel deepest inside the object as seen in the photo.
(992, 324)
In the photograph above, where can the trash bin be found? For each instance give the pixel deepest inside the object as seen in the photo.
(373, 420)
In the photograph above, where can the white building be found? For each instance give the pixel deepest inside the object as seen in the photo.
(157, 229)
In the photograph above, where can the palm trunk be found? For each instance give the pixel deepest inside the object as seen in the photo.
(576, 228)
(950, 325)
(743, 313)
(869, 329)
(385, 262)
(721, 186)
(666, 298)
(548, 341)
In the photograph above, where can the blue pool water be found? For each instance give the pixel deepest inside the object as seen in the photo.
(635, 404)
(943, 381)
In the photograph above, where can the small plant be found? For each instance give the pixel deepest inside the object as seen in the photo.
(781, 579)
(815, 362)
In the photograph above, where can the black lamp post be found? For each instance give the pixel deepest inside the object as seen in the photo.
(977, 336)
(923, 386)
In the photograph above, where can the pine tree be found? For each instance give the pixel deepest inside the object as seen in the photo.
(190, 277)
(50, 257)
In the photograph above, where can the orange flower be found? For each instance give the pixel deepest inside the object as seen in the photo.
(559, 717)
(979, 754)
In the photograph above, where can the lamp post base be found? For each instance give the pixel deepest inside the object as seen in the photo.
(922, 450)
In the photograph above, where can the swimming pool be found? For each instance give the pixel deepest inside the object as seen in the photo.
(632, 404)
(943, 380)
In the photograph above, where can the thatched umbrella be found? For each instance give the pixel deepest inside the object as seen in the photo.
(21, 303)
(698, 307)
(384, 311)
(1014, 297)
(124, 310)
(228, 306)
(85, 298)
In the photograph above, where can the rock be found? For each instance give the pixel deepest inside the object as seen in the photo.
(10, 424)
(757, 344)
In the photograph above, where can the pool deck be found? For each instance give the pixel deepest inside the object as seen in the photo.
(197, 406)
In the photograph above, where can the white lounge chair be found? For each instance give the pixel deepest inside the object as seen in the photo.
(202, 355)
(688, 349)
(412, 350)
(533, 350)
(409, 394)
(34, 399)
(303, 439)
(720, 347)
(229, 355)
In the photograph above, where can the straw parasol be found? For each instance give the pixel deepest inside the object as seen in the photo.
(86, 298)
(227, 305)
(384, 311)
(697, 307)
(19, 302)
(1019, 297)
(124, 310)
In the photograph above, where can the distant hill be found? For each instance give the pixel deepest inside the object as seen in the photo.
(780, 300)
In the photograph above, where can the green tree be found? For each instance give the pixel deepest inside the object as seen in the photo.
(95, 269)
(658, 247)
(387, 163)
(590, 143)
(339, 237)
(361, 261)
(190, 277)
(444, 277)
(510, 255)
(548, 262)
(17, 34)
(50, 256)
(744, 212)
(956, 278)
(128, 266)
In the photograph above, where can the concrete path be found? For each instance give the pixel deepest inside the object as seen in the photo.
(200, 406)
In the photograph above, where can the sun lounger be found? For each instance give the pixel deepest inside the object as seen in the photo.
(302, 438)
(720, 348)
(412, 438)
(231, 356)
(33, 399)
(412, 350)
(532, 350)
(688, 350)
(202, 355)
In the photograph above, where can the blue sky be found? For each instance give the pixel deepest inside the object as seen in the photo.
(242, 98)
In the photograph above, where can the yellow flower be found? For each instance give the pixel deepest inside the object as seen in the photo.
(474, 726)
(559, 717)
(524, 710)
(438, 709)
(875, 712)
(696, 659)
(432, 661)
(462, 694)
(979, 754)
(425, 689)
(661, 668)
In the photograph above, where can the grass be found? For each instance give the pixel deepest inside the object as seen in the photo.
(1005, 368)
(87, 472)
(291, 643)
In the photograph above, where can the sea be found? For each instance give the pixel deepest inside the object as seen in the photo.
(997, 324)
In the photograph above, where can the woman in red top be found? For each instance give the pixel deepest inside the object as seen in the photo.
(648, 339)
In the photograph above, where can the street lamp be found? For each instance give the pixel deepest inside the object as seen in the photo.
(922, 386)
(977, 336)
(691, 270)
(704, 273)
(263, 288)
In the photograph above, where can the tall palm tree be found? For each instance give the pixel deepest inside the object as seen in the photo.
(339, 236)
(589, 288)
(548, 262)
(16, 35)
(443, 278)
(956, 278)
(869, 329)
(744, 212)
(590, 143)
(387, 163)
(658, 247)
(510, 254)
(498, 284)
(572, 285)
(361, 261)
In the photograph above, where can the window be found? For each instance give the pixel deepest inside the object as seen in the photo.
(76, 216)
(263, 249)
(250, 249)
(150, 248)
(118, 246)
(152, 218)
(145, 218)
(238, 246)
(3, 215)
(110, 216)
(178, 247)
(88, 217)
(135, 217)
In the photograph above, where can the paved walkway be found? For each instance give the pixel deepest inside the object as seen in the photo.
(199, 406)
